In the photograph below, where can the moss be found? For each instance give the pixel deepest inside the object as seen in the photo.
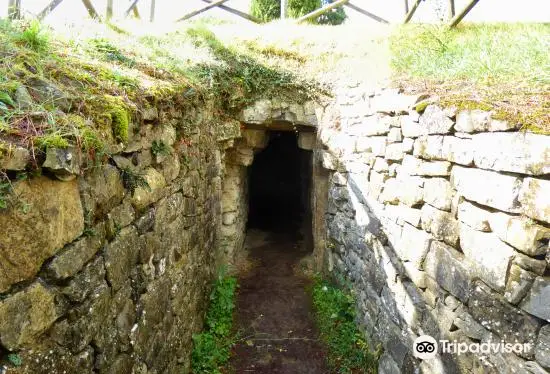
(120, 118)
(54, 140)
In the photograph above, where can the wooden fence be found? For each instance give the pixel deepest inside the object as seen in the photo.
(14, 10)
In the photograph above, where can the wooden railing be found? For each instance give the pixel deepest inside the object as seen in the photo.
(14, 10)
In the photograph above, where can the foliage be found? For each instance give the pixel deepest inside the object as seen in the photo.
(15, 359)
(132, 180)
(212, 346)
(335, 16)
(298, 8)
(159, 148)
(110, 52)
(34, 36)
(265, 10)
(335, 315)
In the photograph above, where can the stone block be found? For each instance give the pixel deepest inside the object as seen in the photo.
(535, 199)
(408, 145)
(25, 315)
(471, 215)
(519, 282)
(518, 152)
(121, 256)
(438, 192)
(536, 301)
(373, 125)
(413, 245)
(307, 140)
(414, 166)
(101, 190)
(16, 159)
(477, 120)
(499, 191)
(491, 258)
(521, 233)
(144, 196)
(410, 127)
(435, 120)
(496, 315)
(448, 148)
(449, 268)
(255, 138)
(542, 349)
(441, 224)
(395, 136)
(380, 165)
(29, 236)
(394, 151)
(404, 214)
(64, 163)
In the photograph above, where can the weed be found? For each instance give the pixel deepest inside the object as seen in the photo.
(110, 52)
(335, 315)
(159, 148)
(15, 359)
(34, 37)
(133, 180)
(212, 347)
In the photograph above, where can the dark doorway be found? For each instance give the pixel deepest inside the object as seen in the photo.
(280, 179)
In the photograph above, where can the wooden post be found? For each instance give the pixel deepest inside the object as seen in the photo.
(14, 9)
(132, 7)
(90, 8)
(236, 12)
(456, 19)
(451, 9)
(284, 5)
(201, 10)
(152, 14)
(409, 15)
(48, 9)
(366, 13)
(318, 12)
(109, 11)
(406, 6)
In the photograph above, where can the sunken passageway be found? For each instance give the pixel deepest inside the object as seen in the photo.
(274, 311)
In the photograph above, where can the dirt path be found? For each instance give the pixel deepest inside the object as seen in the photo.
(274, 313)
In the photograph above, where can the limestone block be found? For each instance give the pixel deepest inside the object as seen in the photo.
(441, 224)
(411, 190)
(449, 148)
(519, 282)
(542, 349)
(25, 315)
(395, 136)
(29, 236)
(450, 269)
(380, 165)
(537, 266)
(307, 140)
(390, 101)
(438, 192)
(415, 166)
(490, 256)
(339, 179)
(435, 120)
(255, 138)
(477, 120)
(373, 125)
(376, 183)
(394, 151)
(495, 314)
(471, 215)
(410, 127)
(535, 199)
(518, 152)
(144, 196)
(101, 190)
(121, 256)
(394, 169)
(536, 301)
(75, 255)
(404, 213)
(16, 159)
(413, 245)
(469, 327)
(499, 191)
(521, 233)
(259, 112)
(329, 161)
(408, 145)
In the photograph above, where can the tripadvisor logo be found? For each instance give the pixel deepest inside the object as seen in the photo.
(425, 347)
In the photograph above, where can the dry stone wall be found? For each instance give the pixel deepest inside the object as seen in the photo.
(441, 222)
(95, 277)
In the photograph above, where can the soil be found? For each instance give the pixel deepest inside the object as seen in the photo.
(274, 314)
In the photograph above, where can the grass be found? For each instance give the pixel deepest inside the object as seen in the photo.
(212, 347)
(503, 67)
(335, 314)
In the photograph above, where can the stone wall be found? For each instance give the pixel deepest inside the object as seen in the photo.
(97, 278)
(440, 220)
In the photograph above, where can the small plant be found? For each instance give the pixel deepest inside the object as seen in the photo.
(15, 359)
(212, 347)
(34, 37)
(159, 148)
(265, 10)
(5, 191)
(110, 52)
(132, 180)
(335, 315)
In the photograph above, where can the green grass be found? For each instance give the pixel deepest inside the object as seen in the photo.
(505, 67)
(348, 352)
(212, 347)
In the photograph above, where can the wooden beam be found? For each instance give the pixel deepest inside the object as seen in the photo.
(284, 6)
(318, 12)
(201, 10)
(132, 8)
(406, 6)
(236, 12)
(152, 11)
(451, 9)
(14, 9)
(456, 19)
(109, 10)
(90, 8)
(48, 9)
(366, 13)
(409, 15)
